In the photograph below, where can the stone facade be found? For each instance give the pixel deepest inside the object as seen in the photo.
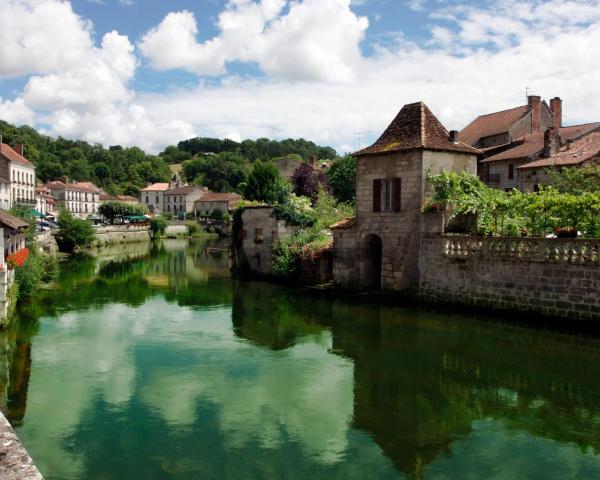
(397, 232)
(260, 229)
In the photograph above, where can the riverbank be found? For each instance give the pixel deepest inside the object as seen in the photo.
(15, 462)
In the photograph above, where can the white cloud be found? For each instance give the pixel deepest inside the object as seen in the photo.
(316, 82)
(315, 40)
(41, 36)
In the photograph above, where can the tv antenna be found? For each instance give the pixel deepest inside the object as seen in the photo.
(358, 136)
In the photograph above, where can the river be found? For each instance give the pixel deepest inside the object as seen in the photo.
(152, 362)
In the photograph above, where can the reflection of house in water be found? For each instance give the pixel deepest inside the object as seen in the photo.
(421, 380)
(15, 369)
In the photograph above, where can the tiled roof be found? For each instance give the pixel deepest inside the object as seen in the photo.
(491, 124)
(533, 143)
(88, 187)
(127, 198)
(220, 197)
(156, 187)
(11, 221)
(10, 154)
(562, 159)
(415, 127)
(182, 190)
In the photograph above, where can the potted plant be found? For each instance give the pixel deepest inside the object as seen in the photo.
(565, 232)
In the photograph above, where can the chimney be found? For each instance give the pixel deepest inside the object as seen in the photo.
(556, 108)
(64, 180)
(453, 136)
(569, 143)
(551, 142)
(535, 106)
(19, 148)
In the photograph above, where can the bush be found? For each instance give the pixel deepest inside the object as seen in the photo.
(39, 267)
(158, 227)
(193, 227)
(73, 233)
(218, 215)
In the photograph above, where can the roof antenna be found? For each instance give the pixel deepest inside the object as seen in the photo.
(359, 137)
(527, 90)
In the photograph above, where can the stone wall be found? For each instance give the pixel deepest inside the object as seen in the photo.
(15, 462)
(555, 277)
(253, 243)
(122, 234)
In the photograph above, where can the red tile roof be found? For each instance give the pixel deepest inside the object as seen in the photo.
(156, 187)
(88, 187)
(562, 159)
(415, 127)
(492, 124)
(220, 197)
(15, 223)
(533, 143)
(10, 154)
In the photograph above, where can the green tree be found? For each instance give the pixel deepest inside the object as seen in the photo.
(265, 184)
(119, 210)
(73, 233)
(342, 178)
(158, 227)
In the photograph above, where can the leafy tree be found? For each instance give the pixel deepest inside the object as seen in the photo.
(342, 179)
(575, 180)
(73, 233)
(224, 172)
(158, 227)
(306, 181)
(265, 184)
(119, 210)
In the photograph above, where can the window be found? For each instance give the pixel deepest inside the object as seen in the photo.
(157, 201)
(258, 235)
(147, 199)
(511, 171)
(387, 195)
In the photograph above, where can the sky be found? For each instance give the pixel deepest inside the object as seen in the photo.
(153, 72)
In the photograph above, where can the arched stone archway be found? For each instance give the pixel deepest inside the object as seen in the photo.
(370, 268)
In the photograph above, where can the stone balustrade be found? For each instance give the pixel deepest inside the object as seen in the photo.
(540, 250)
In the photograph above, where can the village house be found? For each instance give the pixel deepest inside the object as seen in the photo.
(516, 143)
(153, 196)
(80, 198)
(44, 202)
(13, 232)
(4, 193)
(20, 172)
(180, 200)
(212, 201)
(379, 248)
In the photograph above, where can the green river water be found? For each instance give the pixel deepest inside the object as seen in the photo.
(154, 363)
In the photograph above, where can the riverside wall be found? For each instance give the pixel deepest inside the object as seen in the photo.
(15, 462)
(553, 277)
(122, 234)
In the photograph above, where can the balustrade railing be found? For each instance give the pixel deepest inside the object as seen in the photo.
(544, 250)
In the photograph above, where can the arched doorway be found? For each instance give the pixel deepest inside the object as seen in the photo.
(371, 263)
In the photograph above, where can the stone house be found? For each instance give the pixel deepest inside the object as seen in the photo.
(180, 200)
(5, 191)
(379, 248)
(153, 196)
(20, 172)
(254, 242)
(80, 198)
(211, 201)
(14, 233)
(578, 151)
(515, 142)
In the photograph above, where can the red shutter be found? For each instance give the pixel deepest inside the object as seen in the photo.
(377, 195)
(397, 194)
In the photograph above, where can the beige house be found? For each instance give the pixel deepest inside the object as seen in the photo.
(180, 200)
(80, 198)
(5, 191)
(20, 172)
(153, 196)
(211, 201)
(379, 248)
(45, 203)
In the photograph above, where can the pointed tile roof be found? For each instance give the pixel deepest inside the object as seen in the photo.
(415, 127)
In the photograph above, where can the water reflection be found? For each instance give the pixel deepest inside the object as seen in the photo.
(154, 363)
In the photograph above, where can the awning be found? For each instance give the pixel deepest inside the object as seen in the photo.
(35, 213)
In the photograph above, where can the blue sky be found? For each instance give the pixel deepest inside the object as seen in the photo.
(149, 73)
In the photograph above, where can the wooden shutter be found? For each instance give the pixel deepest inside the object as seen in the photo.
(397, 192)
(377, 195)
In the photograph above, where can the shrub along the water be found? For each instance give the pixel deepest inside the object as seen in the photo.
(73, 233)
(515, 213)
(158, 226)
